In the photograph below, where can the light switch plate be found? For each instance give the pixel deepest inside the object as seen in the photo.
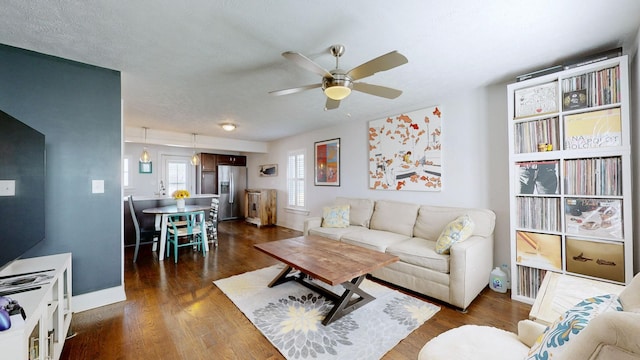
(7, 188)
(97, 186)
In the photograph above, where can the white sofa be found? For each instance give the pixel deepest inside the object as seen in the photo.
(410, 231)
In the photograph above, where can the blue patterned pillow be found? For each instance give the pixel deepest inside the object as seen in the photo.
(551, 342)
(456, 231)
(335, 216)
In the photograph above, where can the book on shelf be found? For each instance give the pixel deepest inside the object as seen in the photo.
(539, 250)
(530, 280)
(592, 58)
(538, 213)
(595, 129)
(574, 100)
(536, 100)
(603, 260)
(599, 218)
(537, 73)
(537, 177)
(601, 87)
(536, 135)
(593, 176)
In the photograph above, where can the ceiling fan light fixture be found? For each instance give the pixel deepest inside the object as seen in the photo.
(228, 127)
(337, 92)
(338, 87)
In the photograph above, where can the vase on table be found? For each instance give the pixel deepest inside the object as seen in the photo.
(180, 204)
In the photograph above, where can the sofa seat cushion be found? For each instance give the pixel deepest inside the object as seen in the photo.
(420, 252)
(335, 233)
(373, 239)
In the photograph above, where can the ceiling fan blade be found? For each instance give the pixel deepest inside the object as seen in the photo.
(306, 63)
(294, 90)
(331, 104)
(377, 90)
(381, 63)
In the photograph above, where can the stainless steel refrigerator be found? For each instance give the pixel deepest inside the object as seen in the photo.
(232, 181)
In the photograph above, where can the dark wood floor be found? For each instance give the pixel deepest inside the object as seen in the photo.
(175, 312)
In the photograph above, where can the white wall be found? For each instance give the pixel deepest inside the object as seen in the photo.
(149, 184)
(475, 157)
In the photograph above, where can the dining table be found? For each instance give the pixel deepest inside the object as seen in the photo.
(162, 218)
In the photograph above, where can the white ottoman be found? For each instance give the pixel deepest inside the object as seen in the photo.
(474, 342)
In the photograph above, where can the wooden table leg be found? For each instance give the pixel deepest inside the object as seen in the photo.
(342, 304)
(346, 304)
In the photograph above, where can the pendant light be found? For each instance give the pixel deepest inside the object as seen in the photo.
(195, 160)
(145, 157)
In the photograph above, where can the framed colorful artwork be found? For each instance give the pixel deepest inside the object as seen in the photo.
(327, 163)
(405, 151)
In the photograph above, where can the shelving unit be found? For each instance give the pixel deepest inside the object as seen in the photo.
(570, 176)
(260, 206)
(48, 309)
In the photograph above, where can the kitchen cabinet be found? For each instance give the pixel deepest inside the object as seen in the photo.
(235, 160)
(207, 171)
(208, 162)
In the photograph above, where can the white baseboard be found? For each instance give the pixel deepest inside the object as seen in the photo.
(98, 298)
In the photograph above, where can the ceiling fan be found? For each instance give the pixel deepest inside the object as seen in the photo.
(337, 83)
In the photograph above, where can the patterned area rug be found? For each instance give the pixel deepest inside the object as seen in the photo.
(290, 316)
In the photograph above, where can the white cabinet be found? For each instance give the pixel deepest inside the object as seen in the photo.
(48, 310)
(570, 176)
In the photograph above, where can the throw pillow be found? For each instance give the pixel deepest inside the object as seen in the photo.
(550, 344)
(456, 231)
(335, 216)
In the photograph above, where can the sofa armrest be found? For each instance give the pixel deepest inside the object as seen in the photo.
(310, 223)
(529, 331)
(607, 336)
(470, 264)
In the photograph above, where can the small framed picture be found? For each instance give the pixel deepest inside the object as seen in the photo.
(327, 163)
(269, 170)
(145, 168)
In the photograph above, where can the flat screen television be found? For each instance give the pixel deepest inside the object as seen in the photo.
(22, 188)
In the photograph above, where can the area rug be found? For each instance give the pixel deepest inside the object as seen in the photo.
(290, 316)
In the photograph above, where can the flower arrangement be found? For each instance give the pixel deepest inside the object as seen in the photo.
(180, 194)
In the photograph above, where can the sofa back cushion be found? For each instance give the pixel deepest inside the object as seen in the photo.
(394, 216)
(433, 219)
(360, 210)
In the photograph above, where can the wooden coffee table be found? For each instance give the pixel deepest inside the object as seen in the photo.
(330, 261)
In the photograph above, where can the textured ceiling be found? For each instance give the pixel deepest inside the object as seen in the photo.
(190, 66)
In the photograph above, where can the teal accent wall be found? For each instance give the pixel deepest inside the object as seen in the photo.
(77, 107)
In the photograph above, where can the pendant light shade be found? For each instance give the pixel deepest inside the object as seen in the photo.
(145, 157)
(195, 160)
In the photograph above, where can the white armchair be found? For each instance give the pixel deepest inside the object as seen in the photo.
(608, 336)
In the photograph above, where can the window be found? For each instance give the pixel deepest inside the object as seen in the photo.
(295, 179)
(125, 172)
(176, 176)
